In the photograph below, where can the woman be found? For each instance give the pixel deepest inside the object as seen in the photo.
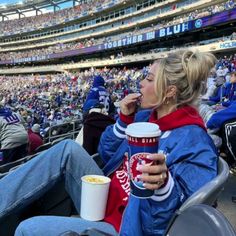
(186, 159)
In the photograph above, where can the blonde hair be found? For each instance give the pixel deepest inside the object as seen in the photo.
(188, 71)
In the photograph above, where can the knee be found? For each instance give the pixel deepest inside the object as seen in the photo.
(27, 227)
(23, 228)
(67, 142)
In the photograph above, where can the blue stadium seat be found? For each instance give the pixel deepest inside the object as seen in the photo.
(209, 193)
(199, 220)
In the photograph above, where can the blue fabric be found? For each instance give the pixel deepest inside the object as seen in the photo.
(220, 93)
(5, 112)
(66, 160)
(98, 81)
(191, 160)
(218, 118)
(97, 94)
(53, 225)
(90, 104)
(230, 94)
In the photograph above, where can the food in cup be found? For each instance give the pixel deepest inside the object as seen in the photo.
(94, 180)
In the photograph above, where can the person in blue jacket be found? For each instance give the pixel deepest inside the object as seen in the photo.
(186, 158)
(220, 117)
(219, 94)
(230, 92)
(97, 95)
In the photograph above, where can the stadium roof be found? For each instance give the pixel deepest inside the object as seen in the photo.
(30, 5)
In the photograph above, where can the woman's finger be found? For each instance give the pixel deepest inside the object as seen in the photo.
(153, 178)
(152, 169)
(158, 157)
(153, 186)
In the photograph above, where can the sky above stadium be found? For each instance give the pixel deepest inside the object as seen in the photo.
(5, 2)
(8, 1)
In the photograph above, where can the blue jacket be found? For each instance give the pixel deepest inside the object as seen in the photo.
(219, 95)
(97, 95)
(230, 94)
(218, 118)
(191, 161)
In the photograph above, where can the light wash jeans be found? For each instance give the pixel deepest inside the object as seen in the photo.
(66, 160)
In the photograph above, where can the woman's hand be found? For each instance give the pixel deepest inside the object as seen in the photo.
(155, 175)
(129, 103)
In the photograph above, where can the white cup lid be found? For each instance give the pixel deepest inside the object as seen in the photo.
(143, 129)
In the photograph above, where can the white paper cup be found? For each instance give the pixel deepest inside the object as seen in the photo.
(94, 197)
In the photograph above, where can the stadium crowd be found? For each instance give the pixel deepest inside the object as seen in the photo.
(50, 100)
(62, 47)
(41, 21)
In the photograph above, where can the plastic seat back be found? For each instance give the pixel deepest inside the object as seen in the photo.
(200, 220)
(209, 193)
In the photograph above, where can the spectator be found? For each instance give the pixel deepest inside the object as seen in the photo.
(13, 136)
(217, 122)
(97, 94)
(210, 87)
(230, 93)
(180, 168)
(219, 92)
(35, 139)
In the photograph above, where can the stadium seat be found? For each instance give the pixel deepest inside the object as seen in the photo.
(43, 147)
(209, 193)
(96, 157)
(198, 220)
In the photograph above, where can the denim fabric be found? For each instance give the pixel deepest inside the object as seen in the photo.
(66, 160)
(56, 225)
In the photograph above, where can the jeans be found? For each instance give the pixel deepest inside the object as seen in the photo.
(66, 160)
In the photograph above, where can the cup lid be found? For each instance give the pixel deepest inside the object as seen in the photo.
(143, 129)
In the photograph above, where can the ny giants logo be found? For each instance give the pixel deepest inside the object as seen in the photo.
(135, 160)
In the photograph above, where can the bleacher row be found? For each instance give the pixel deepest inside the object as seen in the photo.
(54, 135)
(62, 45)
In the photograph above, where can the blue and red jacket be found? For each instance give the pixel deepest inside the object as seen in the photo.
(191, 161)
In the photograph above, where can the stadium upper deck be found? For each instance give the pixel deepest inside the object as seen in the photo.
(174, 23)
(80, 10)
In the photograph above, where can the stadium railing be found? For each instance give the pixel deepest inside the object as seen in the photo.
(65, 130)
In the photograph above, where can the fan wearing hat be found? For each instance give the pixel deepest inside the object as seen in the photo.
(97, 95)
(35, 139)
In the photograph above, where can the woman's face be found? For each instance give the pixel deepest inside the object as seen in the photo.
(147, 90)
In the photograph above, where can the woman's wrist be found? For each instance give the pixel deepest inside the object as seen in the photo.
(127, 119)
